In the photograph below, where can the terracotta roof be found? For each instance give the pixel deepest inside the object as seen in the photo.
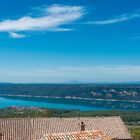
(34, 128)
(84, 135)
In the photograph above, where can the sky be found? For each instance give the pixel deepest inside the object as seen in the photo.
(58, 41)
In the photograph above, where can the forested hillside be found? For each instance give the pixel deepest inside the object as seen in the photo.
(120, 91)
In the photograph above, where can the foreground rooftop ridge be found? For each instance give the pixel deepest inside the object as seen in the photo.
(82, 135)
(35, 128)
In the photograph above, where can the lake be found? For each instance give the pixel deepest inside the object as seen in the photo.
(72, 104)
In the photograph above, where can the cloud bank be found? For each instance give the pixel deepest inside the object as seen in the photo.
(48, 19)
(120, 73)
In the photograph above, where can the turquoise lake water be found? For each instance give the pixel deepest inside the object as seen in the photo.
(72, 104)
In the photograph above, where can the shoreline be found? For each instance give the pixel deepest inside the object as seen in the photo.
(69, 97)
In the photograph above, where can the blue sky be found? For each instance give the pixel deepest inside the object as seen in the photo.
(69, 40)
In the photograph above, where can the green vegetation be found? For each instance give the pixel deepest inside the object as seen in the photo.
(135, 132)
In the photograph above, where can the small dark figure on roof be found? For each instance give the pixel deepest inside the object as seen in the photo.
(82, 126)
(1, 136)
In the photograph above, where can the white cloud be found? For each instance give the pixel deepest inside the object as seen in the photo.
(16, 35)
(121, 18)
(61, 29)
(49, 19)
